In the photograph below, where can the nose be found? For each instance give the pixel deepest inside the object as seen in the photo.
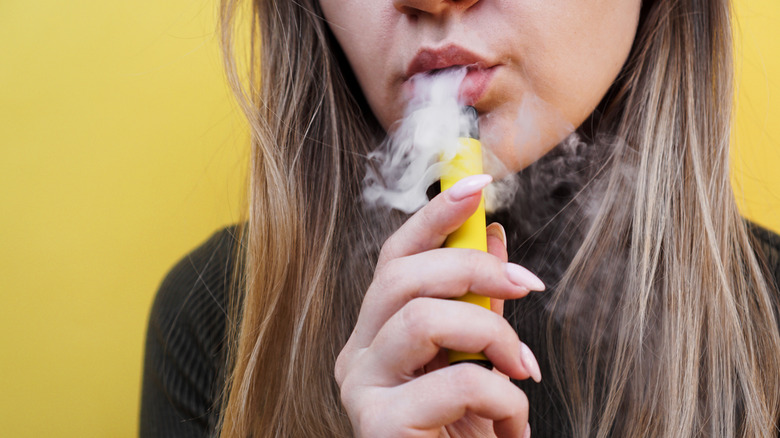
(433, 7)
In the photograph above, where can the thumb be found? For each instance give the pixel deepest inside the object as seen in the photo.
(496, 245)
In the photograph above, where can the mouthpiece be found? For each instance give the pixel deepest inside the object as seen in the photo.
(470, 123)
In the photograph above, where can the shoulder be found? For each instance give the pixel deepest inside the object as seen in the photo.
(767, 246)
(184, 341)
(196, 286)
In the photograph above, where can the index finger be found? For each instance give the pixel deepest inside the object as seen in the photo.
(428, 228)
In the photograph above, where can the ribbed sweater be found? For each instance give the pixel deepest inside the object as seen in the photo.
(184, 360)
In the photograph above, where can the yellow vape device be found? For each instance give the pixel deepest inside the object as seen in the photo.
(466, 162)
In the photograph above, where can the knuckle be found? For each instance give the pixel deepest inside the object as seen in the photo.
(518, 401)
(479, 264)
(522, 401)
(467, 379)
(387, 279)
(518, 407)
(469, 268)
(428, 219)
(415, 317)
(367, 413)
(347, 393)
(496, 328)
(388, 250)
(345, 377)
(389, 274)
(502, 326)
(340, 369)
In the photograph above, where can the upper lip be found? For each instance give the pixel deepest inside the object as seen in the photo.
(428, 59)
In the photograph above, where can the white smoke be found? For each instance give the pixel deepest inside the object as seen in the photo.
(411, 158)
(408, 162)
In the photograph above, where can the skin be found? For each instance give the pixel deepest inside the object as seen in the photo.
(561, 54)
(564, 52)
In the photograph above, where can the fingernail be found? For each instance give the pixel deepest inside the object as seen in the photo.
(527, 433)
(497, 230)
(468, 186)
(530, 363)
(523, 277)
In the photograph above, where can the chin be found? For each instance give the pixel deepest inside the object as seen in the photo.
(516, 137)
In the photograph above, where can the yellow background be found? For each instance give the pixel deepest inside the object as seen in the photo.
(121, 150)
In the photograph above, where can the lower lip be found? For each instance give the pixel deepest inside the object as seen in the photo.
(475, 85)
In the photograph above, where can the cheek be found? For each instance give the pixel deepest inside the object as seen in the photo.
(365, 31)
(591, 55)
(569, 62)
(518, 136)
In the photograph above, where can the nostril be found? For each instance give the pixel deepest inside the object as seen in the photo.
(411, 13)
(414, 8)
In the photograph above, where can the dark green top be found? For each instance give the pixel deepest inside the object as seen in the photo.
(183, 367)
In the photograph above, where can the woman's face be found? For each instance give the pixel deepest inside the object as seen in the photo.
(565, 53)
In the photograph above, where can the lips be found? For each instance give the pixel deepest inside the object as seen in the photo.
(479, 71)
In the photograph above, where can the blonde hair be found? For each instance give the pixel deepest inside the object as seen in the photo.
(695, 320)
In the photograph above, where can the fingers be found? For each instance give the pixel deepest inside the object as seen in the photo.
(443, 397)
(451, 272)
(496, 245)
(496, 241)
(403, 328)
(440, 273)
(414, 336)
(429, 227)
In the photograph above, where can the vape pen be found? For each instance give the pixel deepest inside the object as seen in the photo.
(466, 162)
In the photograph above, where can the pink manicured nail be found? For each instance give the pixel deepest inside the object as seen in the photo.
(468, 186)
(530, 363)
(523, 277)
(497, 230)
(527, 433)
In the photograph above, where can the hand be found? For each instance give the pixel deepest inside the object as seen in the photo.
(393, 371)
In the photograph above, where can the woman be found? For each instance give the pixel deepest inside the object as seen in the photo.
(659, 317)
